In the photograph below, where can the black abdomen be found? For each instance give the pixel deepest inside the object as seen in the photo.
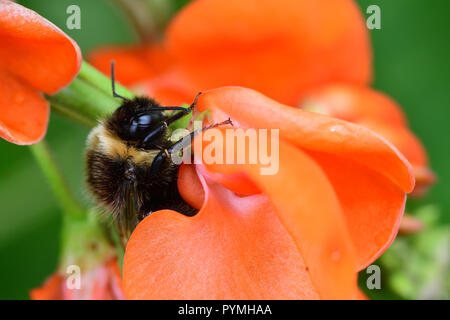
(111, 183)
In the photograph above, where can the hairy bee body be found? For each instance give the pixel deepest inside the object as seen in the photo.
(119, 161)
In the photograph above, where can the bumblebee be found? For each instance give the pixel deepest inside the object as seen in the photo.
(128, 159)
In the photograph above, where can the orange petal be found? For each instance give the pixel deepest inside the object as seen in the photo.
(405, 141)
(361, 165)
(192, 191)
(377, 112)
(361, 295)
(236, 182)
(372, 206)
(308, 208)
(169, 89)
(190, 186)
(35, 50)
(133, 63)
(309, 130)
(413, 150)
(24, 113)
(234, 248)
(280, 48)
(52, 289)
(354, 103)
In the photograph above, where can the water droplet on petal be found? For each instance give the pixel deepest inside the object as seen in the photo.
(19, 97)
(338, 128)
(335, 255)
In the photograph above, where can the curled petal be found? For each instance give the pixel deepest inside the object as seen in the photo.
(413, 150)
(24, 113)
(192, 191)
(377, 112)
(280, 48)
(372, 206)
(369, 176)
(190, 186)
(237, 182)
(35, 50)
(311, 131)
(307, 206)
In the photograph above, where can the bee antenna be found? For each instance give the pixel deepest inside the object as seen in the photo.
(113, 83)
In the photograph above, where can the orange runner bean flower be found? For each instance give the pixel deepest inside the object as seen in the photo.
(280, 48)
(332, 208)
(284, 49)
(35, 56)
(379, 113)
(228, 250)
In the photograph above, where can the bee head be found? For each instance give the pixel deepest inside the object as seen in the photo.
(132, 121)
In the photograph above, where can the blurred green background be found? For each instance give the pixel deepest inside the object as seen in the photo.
(411, 57)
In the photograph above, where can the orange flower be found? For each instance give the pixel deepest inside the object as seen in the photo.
(133, 64)
(331, 209)
(280, 48)
(335, 204)
(35, 56)
(100, 283)
(284, 49)
(379, 113)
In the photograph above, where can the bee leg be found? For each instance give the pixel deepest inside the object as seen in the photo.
(163, 155)
(163, 125)
(186, 140)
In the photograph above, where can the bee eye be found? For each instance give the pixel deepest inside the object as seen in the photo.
(139, 125)
(143, 120)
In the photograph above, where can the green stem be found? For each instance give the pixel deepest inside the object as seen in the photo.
(59, 186)
(72, 114)
(88, 97)
(84, 242)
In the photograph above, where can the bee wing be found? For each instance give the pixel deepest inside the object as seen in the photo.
(127, 220)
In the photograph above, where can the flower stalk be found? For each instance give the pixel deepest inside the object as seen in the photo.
(84, 242)
(71, 207)
(88, 97)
